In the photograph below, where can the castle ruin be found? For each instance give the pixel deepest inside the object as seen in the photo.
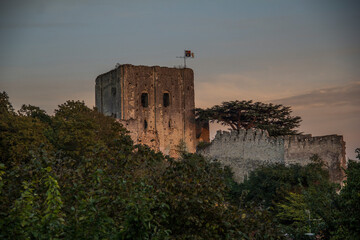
(154, 103)
(245, 150)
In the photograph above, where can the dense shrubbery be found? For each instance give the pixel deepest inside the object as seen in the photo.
(77, 175)
(303, 200)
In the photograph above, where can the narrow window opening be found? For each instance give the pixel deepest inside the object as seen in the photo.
(144, 100)
(113, 91)
(169, 123)
(166, 99)
(145, 124)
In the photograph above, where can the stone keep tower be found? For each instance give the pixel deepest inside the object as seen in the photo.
(154, 103)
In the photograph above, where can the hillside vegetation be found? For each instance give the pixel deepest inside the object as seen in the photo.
(78, 175)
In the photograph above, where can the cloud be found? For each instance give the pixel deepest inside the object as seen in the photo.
(346, 95)
(327, 111)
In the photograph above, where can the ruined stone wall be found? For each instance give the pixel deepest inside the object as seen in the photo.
(118, 94)
(331, 148)
(245, 150)
(106, 93)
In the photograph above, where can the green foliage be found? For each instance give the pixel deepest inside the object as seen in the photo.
(5, 105)
(302, 199)
(276, 119)
(181, 148)
(270, 184)
(2, 172)
(293, 192)
(297, 219)
(202, 145)
(197, 192)
(294, 210)
(193, 189)
(37, 212)
(77, 175)
(145, 215)
(34, 112)
(24, 215)
(350, 201)
(52, 218)
(19, 135)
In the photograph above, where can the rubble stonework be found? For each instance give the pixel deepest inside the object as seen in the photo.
(245, 150)
(156, 104)
(167, 117)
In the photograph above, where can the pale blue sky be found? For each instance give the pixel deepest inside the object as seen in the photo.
(304, 52)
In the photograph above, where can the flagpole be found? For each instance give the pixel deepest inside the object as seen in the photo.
(190, 55)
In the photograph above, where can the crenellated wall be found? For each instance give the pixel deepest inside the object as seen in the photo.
(245, 150)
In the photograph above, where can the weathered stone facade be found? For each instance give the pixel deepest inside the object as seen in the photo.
(154, 103)
(246, 150)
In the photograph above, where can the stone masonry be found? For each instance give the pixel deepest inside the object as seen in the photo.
(154, 103)
(245, 150)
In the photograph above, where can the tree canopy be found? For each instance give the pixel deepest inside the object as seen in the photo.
(275, 118)
(302, 199)
(78, 175)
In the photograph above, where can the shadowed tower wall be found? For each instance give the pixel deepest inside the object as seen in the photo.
(154, 103)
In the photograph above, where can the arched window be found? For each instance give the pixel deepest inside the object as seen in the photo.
(166, 99)
(144, 100)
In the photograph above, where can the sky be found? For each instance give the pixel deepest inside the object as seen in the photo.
(299, 53)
